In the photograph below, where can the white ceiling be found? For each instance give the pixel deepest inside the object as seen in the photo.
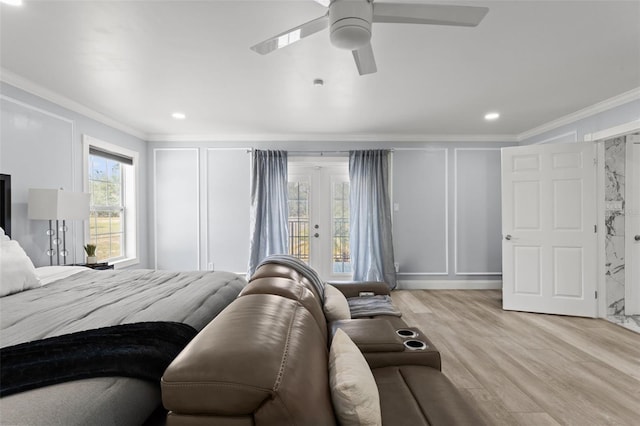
(136, 62)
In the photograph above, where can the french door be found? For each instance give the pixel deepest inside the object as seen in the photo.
(319, 217)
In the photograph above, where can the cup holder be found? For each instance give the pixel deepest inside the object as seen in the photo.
(415, 345)
(406, 333)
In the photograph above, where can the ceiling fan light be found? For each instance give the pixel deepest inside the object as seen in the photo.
(350, 23)
(351, 33)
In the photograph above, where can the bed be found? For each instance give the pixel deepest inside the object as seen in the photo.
(54, 302)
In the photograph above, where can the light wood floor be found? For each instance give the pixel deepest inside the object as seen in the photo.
(529, 369)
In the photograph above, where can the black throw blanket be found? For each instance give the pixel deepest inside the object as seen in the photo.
(140, 350)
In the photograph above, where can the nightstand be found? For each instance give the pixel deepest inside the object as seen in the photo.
(98, 266)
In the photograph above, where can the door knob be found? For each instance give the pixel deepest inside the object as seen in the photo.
(637, 238)
(508, 237)
(316, 235)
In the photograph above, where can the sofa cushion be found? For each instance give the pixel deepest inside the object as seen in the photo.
(416, 395)
(286, 287)
(353, 388)
(336, 307)
(271, 270)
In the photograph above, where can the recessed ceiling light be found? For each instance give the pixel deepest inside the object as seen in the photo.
(12, 2)
(492, 116)
(179, 115)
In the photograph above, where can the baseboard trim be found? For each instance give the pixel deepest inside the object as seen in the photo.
(449, 285)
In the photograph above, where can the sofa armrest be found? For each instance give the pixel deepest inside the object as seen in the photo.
(356, 288)
(382, 346)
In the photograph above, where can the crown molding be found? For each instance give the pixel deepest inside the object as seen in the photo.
(64, 102)
(329, 138)
(621, 99)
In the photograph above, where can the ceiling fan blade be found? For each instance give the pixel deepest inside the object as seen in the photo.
(325, 3)
(434, 14)
(365, 61)
(291, 36)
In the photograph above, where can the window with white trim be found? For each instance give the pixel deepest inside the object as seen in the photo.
(111, 181)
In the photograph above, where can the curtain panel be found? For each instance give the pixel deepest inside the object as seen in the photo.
(269, 211)
(371, 236)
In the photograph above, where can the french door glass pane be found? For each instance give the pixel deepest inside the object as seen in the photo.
(299, 219)
(340, 225)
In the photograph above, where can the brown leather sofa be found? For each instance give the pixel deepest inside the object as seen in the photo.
(264, 361)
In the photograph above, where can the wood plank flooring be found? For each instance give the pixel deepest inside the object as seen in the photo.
(529, 369)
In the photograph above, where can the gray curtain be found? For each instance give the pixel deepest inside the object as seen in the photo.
(269, 214)
(371, 240)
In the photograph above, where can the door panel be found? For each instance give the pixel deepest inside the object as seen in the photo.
(526, 206)
(549, 240)
(567, 204)
(526, 266)
(567, 271)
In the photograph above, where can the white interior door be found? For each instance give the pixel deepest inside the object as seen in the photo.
(632, 218)
(548, 226)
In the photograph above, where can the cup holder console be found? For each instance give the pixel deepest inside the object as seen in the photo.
(406, 333)
(415, 345)
(411, 342)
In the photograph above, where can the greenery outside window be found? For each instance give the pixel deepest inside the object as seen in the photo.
(110, 179)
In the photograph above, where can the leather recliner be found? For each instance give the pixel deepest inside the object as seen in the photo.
(264, 361)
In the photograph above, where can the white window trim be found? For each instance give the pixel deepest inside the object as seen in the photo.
(132, 217)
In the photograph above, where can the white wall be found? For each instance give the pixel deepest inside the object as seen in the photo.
(41, 147)
(200, 207)
(446, 227)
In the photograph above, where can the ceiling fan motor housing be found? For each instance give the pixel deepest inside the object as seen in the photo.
(350, 22)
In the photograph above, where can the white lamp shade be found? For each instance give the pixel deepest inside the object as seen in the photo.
(50, 204)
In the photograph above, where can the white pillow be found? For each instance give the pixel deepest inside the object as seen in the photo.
(3, 236)
(335, 306)
(17, 272)
(353, 389)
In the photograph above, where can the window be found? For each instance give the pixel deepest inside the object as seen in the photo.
(110, 179)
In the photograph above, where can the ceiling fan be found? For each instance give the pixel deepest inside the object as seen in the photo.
(350, 25)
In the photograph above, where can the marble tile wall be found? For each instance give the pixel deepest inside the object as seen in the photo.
(614, 221)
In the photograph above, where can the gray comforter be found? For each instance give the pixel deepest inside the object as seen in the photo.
(93, 299)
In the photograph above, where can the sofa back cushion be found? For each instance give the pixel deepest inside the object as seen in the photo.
(287, 287)
(264, 357)
(273, 270)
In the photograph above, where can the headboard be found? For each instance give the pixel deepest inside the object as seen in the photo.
(5, 203)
